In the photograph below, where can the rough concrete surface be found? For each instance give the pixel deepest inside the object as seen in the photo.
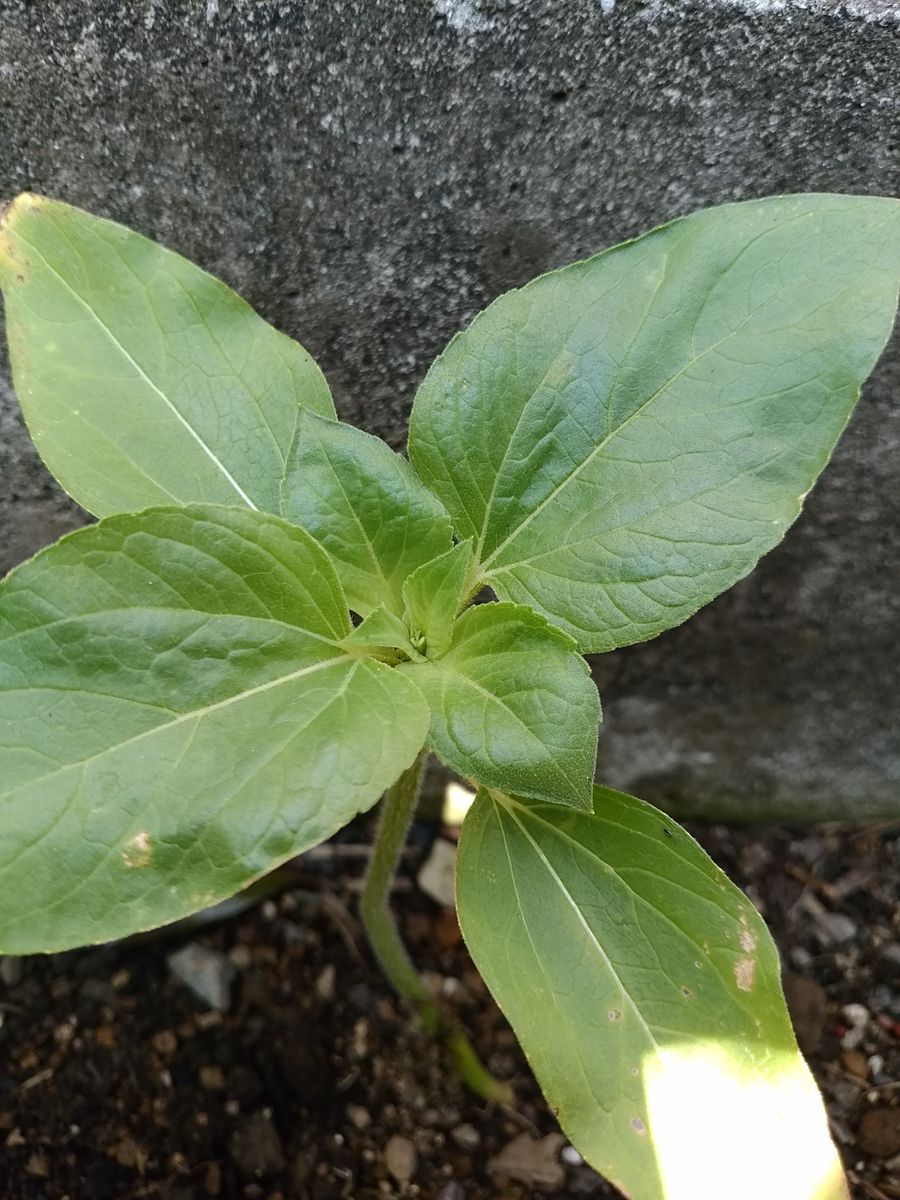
(369, 173)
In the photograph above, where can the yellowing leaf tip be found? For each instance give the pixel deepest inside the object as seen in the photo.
(24, 202)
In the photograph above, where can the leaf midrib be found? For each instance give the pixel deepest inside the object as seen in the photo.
(487, 574)
(155, 610)
(193, 714)
(509, 805)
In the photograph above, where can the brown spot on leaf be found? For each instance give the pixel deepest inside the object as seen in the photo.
(744, 970)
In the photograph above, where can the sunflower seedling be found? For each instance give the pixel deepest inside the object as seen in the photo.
(271, 623)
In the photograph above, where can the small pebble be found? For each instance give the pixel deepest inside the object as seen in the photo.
(207, 973)
(256, 1148)
(846, 1093)
(241, 956)
(165, 1042)
(325, 983)
(835, 929)
(400, 1158)
(38, 1165)
(359, 1116)
(436, 876)
(853, 1037)
(571, 1157)
(856, 1014)
(808, 1006)
(452, 1191)
(800, 958)
(855, 1062)
(879, 1132)
(882, 999)
(212, 1078)
(466, 1137)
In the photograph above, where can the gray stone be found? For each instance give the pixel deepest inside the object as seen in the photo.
(370, 173)
(208, 973)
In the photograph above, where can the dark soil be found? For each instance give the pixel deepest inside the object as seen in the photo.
(115, 1081)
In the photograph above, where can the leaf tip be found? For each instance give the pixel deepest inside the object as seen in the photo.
(10, 265)
(25, 202)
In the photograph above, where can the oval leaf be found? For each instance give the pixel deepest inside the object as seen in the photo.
(625, 438)
(366, 506)
(177, 717)
(645, 991)
(513, 704)
(144, 380)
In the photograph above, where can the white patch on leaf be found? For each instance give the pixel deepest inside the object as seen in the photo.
(138, 850)
(744, 970)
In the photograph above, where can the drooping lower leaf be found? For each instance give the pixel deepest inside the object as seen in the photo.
(143, 379)
(624, 438)
(512, 704)
(366, 506)
(645, 991)
(177, 716)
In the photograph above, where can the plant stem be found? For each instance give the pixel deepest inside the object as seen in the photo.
(397, 810)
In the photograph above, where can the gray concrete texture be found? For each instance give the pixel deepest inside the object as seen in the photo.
(369, 173)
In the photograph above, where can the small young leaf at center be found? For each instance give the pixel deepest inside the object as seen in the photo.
(433, 595)
(512, 700)
(366, 506)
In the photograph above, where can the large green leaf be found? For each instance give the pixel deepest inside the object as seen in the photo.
(513, 705)
(644, 989)
(366, 506)
(143, 379)
(625, 437)
(176, 717)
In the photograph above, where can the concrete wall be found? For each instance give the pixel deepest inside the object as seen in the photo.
(369, 173)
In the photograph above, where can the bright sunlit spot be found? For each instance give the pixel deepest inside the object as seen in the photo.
(457, 802)
(712, 1119)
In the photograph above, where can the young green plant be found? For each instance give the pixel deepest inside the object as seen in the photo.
(272, 622)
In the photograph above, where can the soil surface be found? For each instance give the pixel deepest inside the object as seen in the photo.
(116, 1080)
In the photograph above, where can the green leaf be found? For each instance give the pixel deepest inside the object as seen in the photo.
(366, 506)
(513, 705)
(382, 628)
(434, 594)
(144, 380)
(625, 438)
(645, 991)
(177, 716)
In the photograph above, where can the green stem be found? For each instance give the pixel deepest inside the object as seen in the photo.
(397, 810)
